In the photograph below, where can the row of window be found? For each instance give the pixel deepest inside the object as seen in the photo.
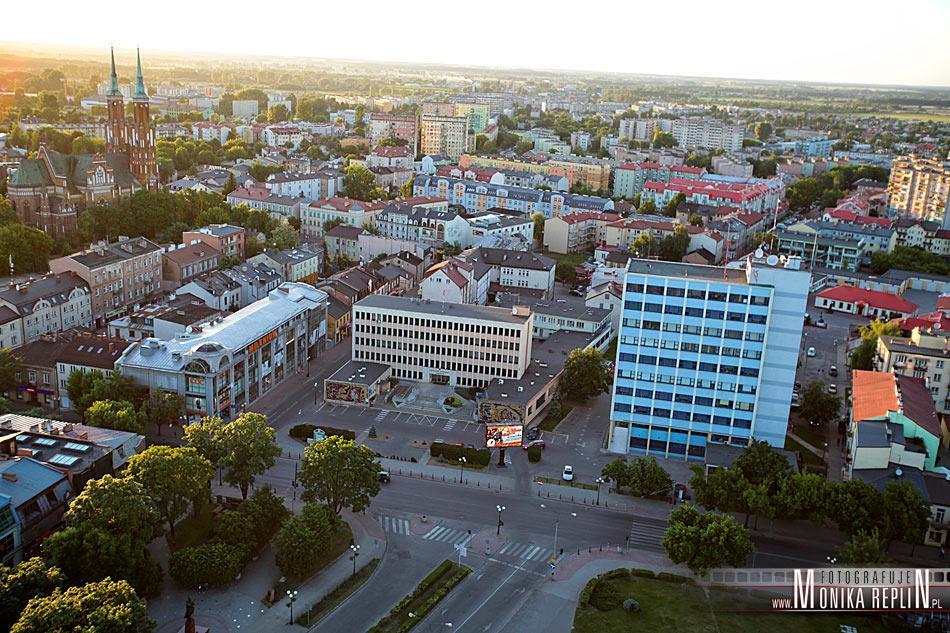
(686, 381)
(439, 351)
(685, 416)
(694, 348)
(379, 338)
(697, 293)
(686, 398)
(656, 326)
(704, 313)
(439, 324)
(429, 363)
(721, 368)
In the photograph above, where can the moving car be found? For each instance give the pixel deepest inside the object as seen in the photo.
(832, 371)
(568, 474)
(577, 292)
(811, 352)
(531, 443)
(832, 388)
(384, 476)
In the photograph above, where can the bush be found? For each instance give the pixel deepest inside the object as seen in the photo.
(605, 596)
(266, 511)
(451, 452)
(534, 454)
(344, 433)
(215, 564)
(587, 590)
(304, 540)
(631, 605)
(613, 574)
(667, 577)
(436, 449)
(643, 573)
(235, 528)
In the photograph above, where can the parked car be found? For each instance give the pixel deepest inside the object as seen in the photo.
(568, 474)
(528, 445)
(811, 352)
(384, 476)
(820, 323)
(577, 292)
(533, 433)
(832, 388)
(832, 371)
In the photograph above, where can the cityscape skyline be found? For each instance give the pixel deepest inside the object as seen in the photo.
(877, 58)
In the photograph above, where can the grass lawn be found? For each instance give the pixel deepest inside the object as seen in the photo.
(938, 117)
(813, 435)
(339, 544)
(809, 459)
(194, 530)
(561, 482)
(423, 598)
(550, 422)
(338, 595)
(666, 606)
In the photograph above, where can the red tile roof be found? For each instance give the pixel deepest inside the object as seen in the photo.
(392, 151)
(574, 218)
(347, 204)
(873, 395)
(873, 298)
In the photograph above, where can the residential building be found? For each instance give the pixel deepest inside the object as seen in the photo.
(819, 251)
(53, 303)
(630, 178)
(607, 295)
(455, 280)
(817, 146)
(32, 503)
(874, 238)
(893, 424)
(498, 227)
(229, 365)
(732, 165)
(593, 173)
(577, 231)
(445, 134)
(227, 239)
(255, 282)
(444, 343)
(919, 188)
(396, 157)
(753, 194)
(183, 262)
(218, 291)
(638, 129)
(922, 355)
(183, 311)
(528, 273)
(206, 131)
(280, 207)
(706, 355)
(86, 352)
(245, 107)
(343, 241)
(479, 196)
(310, 186)
(580, 140)
(623, 235)
(297, 264)
(874, 304)
(315, 215)
(386, 126)
(708, 133)
(432, 221)
(926, 234)
(283, 135)
(119, 275)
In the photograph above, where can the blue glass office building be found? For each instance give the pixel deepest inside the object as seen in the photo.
(706, 355)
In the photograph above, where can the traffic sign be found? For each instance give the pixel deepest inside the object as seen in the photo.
(462, 550)
(553, 566)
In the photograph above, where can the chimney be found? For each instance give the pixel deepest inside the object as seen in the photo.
(9, 476)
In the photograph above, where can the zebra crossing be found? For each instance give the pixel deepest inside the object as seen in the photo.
(382, 414)
(523, 551)
(449, 425)
(646, 535)
(394, 525)
(442, 534)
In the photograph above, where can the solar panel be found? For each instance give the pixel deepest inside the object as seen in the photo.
(44, 441)
(79, 448)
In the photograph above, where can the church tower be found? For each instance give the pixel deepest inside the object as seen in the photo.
(116, 138)
(141, 136)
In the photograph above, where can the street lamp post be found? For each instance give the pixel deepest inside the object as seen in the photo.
(462, 462)
(599, 481)
(315, 393)
(500, 510)
(291, 599)
(356, 552)
(295, 484)
(557, 521)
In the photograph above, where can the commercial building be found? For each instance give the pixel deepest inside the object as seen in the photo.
(874, 304)
(922, 355)
(708, 133)
(225, 367)
(920, 187)
(444, 343)
(357, 384)
(119, 275)
(706, 355)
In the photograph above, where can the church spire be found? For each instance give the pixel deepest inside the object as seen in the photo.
(139, 82)
(114, 80)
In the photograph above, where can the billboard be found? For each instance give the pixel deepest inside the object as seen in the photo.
(503, 435)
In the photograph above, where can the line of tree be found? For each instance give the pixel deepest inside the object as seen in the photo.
(829, 187)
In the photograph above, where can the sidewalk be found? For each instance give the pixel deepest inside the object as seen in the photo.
(447, 474)
(238, 606)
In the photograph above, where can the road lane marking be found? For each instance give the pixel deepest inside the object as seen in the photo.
(491, 595)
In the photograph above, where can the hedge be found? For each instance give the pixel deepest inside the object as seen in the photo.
(605, 596)
(613, 574)
(667, 577)
(452, 452)
(424, 608)
(643, 573)
(587, 590)
(305, 431)
(534, 454)
(214, 564)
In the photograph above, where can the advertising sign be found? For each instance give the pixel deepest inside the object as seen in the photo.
(503, 435)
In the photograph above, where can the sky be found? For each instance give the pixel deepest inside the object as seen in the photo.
(846, 41)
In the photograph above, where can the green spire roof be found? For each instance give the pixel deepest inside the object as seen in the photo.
(114, 82)
(139, 82)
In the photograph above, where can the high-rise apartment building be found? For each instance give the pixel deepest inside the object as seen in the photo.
(707, 132)
(445, 134)
(919, 188)
(706, 355)
(385, 126)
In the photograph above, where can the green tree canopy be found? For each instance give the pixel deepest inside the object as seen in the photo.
(359, 183)
(585, 375)
(304, 540)
(339, 473)
(705, 541)
(250, 449)
(819, 406)
(173, 478)
(30, 579)
(115, 414)
(864, 549)
(106, 606)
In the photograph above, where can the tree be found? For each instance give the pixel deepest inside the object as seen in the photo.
(647, 207)
(705, 541)
(163, 407)
(214, 564)
(113, 414)
(285, 237)
(663, 139)
(819, 406)
(108, 527)
(173, 477)
(864, 549)
(250, 449)
(229, 185)
(340, 473)
(206, 436)
(538, 218)
(406, 190)
(85, 388)
(856, 504)
(763, 131)
(863, 355)
(907, 512)
(913, 258)
(266, 511)
(585, 375)
(647, 478)
(564, 271)
(696, 220)
(18, 585)
(359, 183)
(278, 113)
(671, 206)
(10, 366)
(303, 541)
(806, 496)
(106, 606)
(28, 248)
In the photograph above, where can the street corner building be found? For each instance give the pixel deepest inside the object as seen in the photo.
(706, 355)
(224, 366)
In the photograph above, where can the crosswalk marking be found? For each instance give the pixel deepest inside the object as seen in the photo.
(442, 534)
(449, 425)
(647, 535)
(382, 414)
(394, 525)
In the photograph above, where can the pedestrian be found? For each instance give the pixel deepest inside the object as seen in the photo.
(943, 553)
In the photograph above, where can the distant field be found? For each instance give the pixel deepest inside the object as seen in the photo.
(939, 117)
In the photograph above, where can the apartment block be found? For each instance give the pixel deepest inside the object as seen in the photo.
(224, 238)
(576, 232)
(919, 188)
(443, 343)
(48, 305)
(386, 126)
(708, 133)
(119, 275)
(446, 135)
(706, 355)
(630, 178)
(923, 355)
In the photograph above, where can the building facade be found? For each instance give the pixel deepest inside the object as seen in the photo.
(919, 188)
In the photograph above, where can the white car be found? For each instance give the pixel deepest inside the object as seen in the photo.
(568, 474)
(832, 388)
(811, 352)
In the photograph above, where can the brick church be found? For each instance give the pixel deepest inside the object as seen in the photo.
(51, 190)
